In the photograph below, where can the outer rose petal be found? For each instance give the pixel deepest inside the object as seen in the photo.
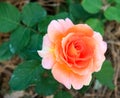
(68, 78)
(100, 42)
(47, 61)
(46, 46)
(101, 48)
(81, 29)
(62, 74)
(78, 81)
(46, 53)
(58, 28)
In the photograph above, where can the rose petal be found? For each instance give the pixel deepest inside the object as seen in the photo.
(98, 62)
(58, 28)
(47, 46)
(78, 81)
(62, 74)
(47, 53)
(66, 24)
(99, 42)
(101, 48)
(85, 69)
(81, 29)
(64, 41)
(46, 41)
(48, 62)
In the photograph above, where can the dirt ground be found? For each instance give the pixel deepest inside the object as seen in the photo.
(112, 37)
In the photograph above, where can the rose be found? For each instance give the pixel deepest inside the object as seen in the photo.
(73, 52)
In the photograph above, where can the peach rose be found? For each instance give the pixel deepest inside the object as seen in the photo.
(72, 52)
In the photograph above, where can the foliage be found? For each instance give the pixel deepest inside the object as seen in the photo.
(8, 20)
(92, 7)
(62, 94)
(27, 27)
(106, 71)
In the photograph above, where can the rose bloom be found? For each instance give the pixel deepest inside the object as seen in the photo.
(72, 52)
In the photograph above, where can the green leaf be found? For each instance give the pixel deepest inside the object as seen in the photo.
(112, 13)
(19, 39)
(96, 25)
(93, 6)
(25, 74)
(61, 15)
(43, 25)
(35, 44)
(110, 1)
(32, 13)
(47, 85)
(9, 17)
(69, 2)
(77, 12)
(117, 1)
(63, 94)
(29, 55)
(5, 53)
(105, 75)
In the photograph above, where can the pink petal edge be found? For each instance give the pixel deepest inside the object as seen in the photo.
(61, 76)
(100, 51)
(58, 27)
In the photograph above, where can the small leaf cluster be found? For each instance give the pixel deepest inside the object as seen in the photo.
(27, 28)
